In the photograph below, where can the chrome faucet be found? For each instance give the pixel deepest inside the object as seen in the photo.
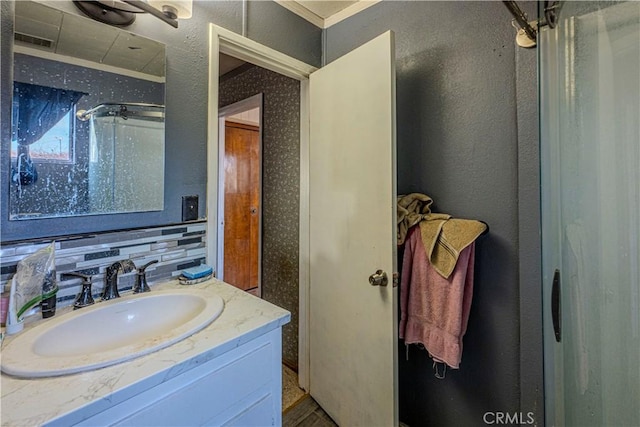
(111, 278)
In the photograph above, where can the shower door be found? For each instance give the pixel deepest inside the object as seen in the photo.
(126, 164)
(590, 164)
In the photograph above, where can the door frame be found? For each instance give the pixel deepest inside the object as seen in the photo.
(229, 110)
(224, 41)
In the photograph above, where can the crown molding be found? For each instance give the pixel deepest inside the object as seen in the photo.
(318, 21)
(302, 11)
(349, 12)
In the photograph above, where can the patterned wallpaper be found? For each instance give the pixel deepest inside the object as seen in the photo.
(281, 188)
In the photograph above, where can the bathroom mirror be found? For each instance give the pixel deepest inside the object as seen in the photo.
(87, 117)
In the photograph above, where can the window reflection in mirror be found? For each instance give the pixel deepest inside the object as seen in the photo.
(87, 119)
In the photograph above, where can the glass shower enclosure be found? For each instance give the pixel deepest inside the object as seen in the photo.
(126, 158)
(590, 189)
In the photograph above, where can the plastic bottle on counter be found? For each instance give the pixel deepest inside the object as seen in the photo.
(4, 305)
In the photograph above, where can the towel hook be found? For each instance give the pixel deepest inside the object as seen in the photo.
(486, 231)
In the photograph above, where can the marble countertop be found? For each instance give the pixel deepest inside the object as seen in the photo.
(30, 402)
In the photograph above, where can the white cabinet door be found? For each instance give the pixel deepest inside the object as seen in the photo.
(241, 387)
(352, 190)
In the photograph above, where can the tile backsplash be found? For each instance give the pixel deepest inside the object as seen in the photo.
(176, 247)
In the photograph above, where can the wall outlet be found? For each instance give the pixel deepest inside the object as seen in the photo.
(189, 208)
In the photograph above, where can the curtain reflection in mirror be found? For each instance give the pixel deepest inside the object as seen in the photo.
(38, 122)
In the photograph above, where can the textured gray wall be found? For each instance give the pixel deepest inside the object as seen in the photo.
(530, 251)
(280, 188)
(458, 134)
(467, 136)
(186, 103)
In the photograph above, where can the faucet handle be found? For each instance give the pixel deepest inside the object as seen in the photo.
(141, 278)
(144, 267)
(85, 297)
(85, 277)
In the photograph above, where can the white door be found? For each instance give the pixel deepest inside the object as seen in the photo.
(352, 201)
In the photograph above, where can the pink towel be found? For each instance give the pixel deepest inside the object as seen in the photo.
(435, 310)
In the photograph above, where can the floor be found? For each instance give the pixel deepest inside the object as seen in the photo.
(306, 413)
(291, 393)
(298, 408)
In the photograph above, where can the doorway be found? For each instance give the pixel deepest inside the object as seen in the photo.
(377, 117)
(226, 42)
(278, 98)
(240, 194)
(244, 88)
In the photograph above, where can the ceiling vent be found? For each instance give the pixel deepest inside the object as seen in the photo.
(33, 40)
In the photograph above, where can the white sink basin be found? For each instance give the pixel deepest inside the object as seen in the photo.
(110, 332)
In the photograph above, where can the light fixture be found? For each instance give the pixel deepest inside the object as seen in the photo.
(122, 13)
(175, 9)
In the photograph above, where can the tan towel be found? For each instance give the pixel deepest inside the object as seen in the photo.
(445, 237)
(412, 208)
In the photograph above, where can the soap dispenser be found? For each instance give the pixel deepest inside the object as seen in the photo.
(84, 298)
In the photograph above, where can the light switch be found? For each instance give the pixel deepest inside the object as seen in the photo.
(189, 208)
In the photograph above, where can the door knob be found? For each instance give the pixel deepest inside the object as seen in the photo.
(379, 278)
(254, 211)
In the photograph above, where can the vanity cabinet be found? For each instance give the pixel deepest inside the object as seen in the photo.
(240, 387)
(229, 373)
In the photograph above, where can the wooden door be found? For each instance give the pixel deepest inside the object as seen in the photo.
(241, 205)
(352, 204)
